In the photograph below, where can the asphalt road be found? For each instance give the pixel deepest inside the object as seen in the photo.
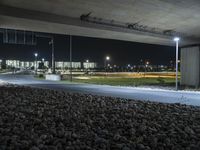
(158, 95)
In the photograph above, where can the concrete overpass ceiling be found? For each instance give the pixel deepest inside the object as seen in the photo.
(179, 15)
(126, 10)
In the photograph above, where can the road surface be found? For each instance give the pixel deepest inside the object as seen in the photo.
(156, 95)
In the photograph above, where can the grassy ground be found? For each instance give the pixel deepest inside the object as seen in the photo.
(127, 81)
(4, 70)
(120, 79)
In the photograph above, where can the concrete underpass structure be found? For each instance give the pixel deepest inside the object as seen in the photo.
(145, 21)
(190, 66)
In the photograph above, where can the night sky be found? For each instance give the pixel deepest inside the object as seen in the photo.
(94, 49)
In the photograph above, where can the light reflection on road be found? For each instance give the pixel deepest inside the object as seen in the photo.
(137, 93)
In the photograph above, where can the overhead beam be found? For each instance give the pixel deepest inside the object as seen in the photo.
(17, 18)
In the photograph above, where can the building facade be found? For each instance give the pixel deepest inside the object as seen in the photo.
(58, 64)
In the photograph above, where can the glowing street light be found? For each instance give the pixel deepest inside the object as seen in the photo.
(43, 63)
(177, 39)
(52, 55)
(106, 66)
(107, 58)
(36, 55)
(87, 66)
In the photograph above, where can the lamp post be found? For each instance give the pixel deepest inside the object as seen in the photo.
(70, 57)
(106, 67)
(87, 66)
(0, 63)
(43, 63)
(145, 67)
(36, 55)
(128, 67)
(177, 39)
(52, 56)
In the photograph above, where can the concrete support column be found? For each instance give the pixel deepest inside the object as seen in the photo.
(190, 66)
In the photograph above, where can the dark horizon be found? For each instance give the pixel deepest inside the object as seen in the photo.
(94, 49)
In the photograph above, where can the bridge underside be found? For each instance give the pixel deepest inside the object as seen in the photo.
(88, 31)
(145, 21)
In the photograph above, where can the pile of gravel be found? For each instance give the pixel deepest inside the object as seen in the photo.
(39, 119)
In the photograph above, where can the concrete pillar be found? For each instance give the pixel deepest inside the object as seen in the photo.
(190, 66)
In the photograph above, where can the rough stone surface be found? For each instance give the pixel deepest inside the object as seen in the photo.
(39, 119)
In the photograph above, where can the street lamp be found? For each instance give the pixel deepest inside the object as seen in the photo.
(1, 63)
(107, 58)
(52, 55)
(177, 39)
(145, 67)
(36, 55)
(87, 66)
(43, 63)
(106, 67)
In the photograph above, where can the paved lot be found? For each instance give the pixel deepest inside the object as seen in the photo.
(159, 95)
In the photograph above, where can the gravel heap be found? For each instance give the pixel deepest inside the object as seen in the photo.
(39, 119)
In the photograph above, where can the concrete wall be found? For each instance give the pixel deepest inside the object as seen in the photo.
(53, 77)
(190, 66)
